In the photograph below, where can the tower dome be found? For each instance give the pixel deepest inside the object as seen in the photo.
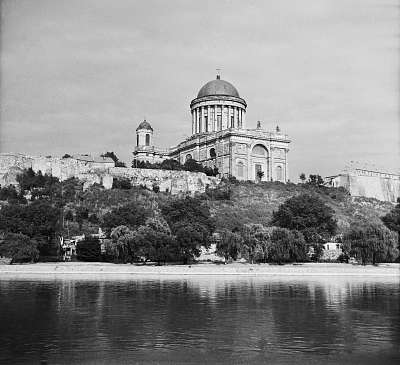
(218, 87)
(145, 125)
(218, 106)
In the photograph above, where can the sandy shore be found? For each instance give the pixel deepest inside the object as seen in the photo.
(236, 269)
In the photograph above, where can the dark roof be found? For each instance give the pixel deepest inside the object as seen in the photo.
(144, 125)
(218, 87)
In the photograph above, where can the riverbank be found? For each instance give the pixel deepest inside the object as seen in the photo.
(235, 269)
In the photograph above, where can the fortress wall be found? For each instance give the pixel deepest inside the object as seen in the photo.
(174, 182)
(171, 181)
(378, 187)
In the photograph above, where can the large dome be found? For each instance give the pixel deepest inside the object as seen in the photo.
(218, 87)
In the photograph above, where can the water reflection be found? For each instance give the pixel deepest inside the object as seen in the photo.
(200, 319)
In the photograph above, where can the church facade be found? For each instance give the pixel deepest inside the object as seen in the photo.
(220, 138)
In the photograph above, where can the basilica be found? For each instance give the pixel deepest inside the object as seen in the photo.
(220, 138)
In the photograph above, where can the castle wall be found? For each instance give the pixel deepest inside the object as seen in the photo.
(91, 173)
(369, 184)
(381, 188)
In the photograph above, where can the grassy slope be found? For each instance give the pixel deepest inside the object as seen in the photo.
(255, 203)
(249, 203)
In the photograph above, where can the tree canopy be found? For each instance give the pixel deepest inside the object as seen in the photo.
(308, 214)
(131, 215)
(370, 243)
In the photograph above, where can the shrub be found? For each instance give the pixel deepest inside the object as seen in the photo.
(88, 250)
(18, 247)
(121, 183)
(370, 243)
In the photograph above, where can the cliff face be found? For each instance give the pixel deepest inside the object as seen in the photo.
(11, 164)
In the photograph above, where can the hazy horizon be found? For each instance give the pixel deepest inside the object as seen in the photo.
(79, 76)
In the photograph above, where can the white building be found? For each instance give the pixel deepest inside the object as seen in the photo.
(220, 138)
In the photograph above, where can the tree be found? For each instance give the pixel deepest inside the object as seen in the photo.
(307, 214)
(256, 241)
(131, 215)
(10, 194)
(303, 177)
(188, 210)
(170, 164)
(154, 241)
(114, 157)
(18, 247)
(193, 166)
(88, 249)
(38, 219)
(370, 243)
(287, 246)
(316, 180)
(67, 156)
(122, 238)
(189, 238)
(121, 183)
(229, 244)
(81, 214)
(392, 219)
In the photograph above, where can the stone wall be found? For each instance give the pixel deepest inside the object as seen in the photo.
(381, 186)
(11, 164)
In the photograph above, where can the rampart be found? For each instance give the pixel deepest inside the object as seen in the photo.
(371, 184)
(11, 164)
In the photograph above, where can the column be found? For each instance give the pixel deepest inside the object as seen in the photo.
(271, 177)
(200, 121)
(228, 114)
(286, 166)
(244, 119)
(209, 118)
(193, 122)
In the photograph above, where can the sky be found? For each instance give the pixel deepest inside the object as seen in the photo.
(78, 76)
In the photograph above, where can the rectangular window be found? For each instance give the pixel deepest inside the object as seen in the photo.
(147, 139)
(232, 122)
(206, 122)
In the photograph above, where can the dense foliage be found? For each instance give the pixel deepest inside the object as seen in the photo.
(273, 244)
(131, 215)
(392, 219)
(88, 250)
(371, 243)
(18, 247)
(171, 164)
(308, 214)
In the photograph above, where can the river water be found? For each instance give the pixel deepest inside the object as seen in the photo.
(274, 320)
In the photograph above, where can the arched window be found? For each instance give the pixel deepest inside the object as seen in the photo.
(147, 139)
(212, 153)
(240, 169)
(188, 157)
(279, 175)
(259, 150)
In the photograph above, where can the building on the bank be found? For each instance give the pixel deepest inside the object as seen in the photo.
(220, 138)
(367, 182)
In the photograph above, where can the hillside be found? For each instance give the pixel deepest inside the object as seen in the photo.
(255, 203)
(235, 204)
